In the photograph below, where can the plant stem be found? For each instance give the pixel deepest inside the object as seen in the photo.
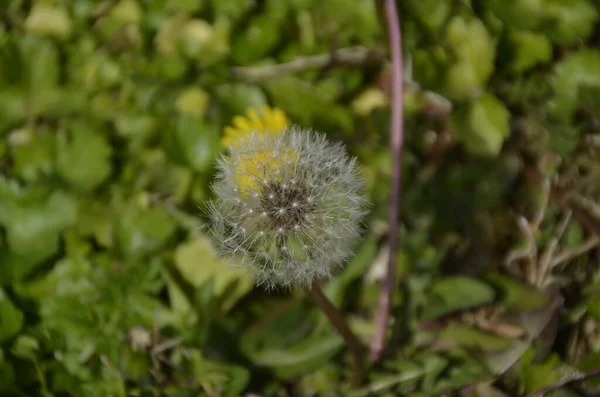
(385, 300)
(353, 343)
(344, 57)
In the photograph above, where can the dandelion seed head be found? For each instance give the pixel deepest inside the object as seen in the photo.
(300, 207)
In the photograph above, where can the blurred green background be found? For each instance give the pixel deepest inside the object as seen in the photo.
(111, 114)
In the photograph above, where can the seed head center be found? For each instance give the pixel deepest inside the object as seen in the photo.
(286, 206)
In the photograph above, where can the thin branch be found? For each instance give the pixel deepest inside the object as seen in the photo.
(586, 211)
(539, 217)
(565, 381)
(529, 251)
(353, 343)
(166, 345)
(568, 254)
(385, 301)
(545, 260)
(344, 57)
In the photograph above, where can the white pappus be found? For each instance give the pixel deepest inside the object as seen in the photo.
(288, 206)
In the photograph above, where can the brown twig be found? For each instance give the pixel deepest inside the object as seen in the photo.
(385, 301)
(343, 57)
(565, 381)
(353, 343)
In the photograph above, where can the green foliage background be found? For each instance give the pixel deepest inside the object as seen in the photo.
(110, 118)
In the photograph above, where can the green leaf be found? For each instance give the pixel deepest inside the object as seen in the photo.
(593, 305)
(571, 75)
(232, 9)
(407, 372)
(519, 296)
(569, 20)
(261, 36)
(25, 347)
(198, 263)
(41, 58)
(195, 36)
(192, 102)
(461, 375)
(136, 128)
(520, 14)
(95, 220)
(188, 6)
(99, 72)
(29, 222)
(290, 339)
(13, 107)
(300, 358)
(33, 153)
(33, 230)
(482, 126)
(564, 137)
(230, 380)
(475, 51)
(452, 294)
(473, 338)
(238, 97)
(536, 376)
(562, 21)
(136, 365)
(434, 365)
(432, 13)
(166, 178)
(141, 231)
(529, 50)
(48, 20)
(7, 375)
(69, 276)
(355, 268)
(83, 157)
(127, 11)
(11, 318)
(309, 105)
(536, 327)
(193, 142)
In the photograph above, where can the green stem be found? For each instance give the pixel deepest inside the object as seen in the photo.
(353, 343)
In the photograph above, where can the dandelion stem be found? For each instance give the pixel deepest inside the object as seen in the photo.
(353, 343)
(385, 300)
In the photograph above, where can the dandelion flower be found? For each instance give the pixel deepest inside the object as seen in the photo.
(288, 203)
(270, 122)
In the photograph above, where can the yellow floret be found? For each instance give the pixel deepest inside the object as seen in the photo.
(259, 166)
(271, 121)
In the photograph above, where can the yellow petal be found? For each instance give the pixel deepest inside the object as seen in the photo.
(242, 123)
(225, 142)
(255, 121)
(279, 119)
(230, 131)
(230, 136)
(271, 121)
(266, 112)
